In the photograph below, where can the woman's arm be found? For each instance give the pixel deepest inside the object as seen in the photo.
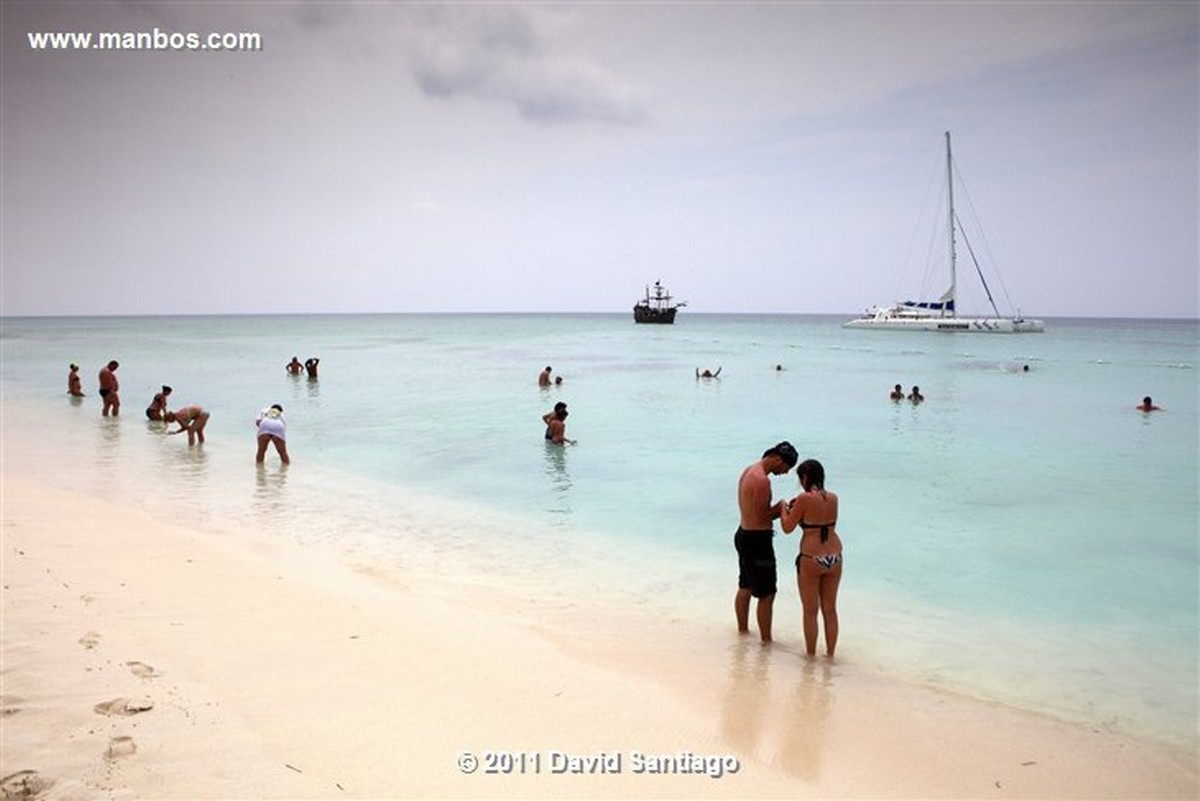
(793, 513)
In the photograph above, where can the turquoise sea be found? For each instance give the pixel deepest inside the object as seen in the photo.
(1023, 536)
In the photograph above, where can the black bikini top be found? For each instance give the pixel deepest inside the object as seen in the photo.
(823, 526)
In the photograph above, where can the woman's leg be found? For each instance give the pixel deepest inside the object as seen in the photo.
(808, 576)
(281, 449)
(199, 425)
(829, 591)
(263, 439)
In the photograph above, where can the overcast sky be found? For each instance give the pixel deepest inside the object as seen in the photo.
(558, 157)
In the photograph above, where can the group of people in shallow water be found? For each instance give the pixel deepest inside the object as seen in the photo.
(814, 513)
(269, 423)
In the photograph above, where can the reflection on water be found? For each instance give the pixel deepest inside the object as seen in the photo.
(314, 388)
(746, 694)
(110, 441)
(802, 745)
(560, 479)
(777, 706)
(270, 490)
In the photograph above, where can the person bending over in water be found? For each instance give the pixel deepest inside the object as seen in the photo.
(819, 565)
(272, 429)
(191, 419)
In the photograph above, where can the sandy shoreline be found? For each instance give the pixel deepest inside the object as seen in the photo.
(271, 671)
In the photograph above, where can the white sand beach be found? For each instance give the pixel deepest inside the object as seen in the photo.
(142, 660)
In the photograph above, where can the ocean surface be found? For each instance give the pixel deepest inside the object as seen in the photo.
(1022, 536)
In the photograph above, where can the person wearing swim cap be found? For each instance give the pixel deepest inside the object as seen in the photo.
(752, 541)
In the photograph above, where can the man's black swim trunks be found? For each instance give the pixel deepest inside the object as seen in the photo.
(756, 561)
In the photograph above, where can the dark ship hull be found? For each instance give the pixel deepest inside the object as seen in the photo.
(645, 314)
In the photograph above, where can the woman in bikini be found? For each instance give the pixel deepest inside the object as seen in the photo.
(191, 419)
(819, 565)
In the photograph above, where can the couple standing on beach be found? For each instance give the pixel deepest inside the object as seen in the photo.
(819, 563)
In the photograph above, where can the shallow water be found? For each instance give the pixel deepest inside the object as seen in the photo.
(1021, 536)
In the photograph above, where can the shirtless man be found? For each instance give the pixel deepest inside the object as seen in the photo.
(191, 419)
(556, 425)
(1147, 405)
(109, 387)
(294, 367)
(544, 377)
(756, 554)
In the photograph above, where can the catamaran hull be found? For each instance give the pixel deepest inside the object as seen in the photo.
(982, 325)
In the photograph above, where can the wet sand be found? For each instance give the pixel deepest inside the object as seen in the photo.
(143, 660)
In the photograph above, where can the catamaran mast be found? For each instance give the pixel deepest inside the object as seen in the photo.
(950, 223)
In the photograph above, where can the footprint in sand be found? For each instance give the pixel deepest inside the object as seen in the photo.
(123, 707)
(9, 705)
(24, 784)
(143, 670)
(119, 747)
(90, 640)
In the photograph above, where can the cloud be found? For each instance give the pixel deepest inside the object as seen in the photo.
(497, 55)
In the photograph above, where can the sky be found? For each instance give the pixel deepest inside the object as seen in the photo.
(558, 157)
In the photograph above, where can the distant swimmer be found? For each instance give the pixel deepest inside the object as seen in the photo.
(294, 367)
(915, 396)
(544, 377)
(558, 380)
(272, 430)
(191, 419)
(897, 393)
(706, 373)
(310, 366)
(158, 404)
(1147, 405)
(752, 540)
(74, 383)
(110, 389)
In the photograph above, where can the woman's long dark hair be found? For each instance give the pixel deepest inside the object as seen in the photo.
(813, 471)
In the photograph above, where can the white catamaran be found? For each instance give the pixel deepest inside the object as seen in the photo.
(940, 315)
